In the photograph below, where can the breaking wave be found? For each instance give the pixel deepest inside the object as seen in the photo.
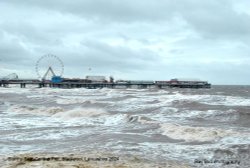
(35, 110)
(57, 112)
(140, 119)
(74, 101)
(80, 112)
(190, 134)
(206, 99)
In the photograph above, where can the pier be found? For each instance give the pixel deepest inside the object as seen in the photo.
(113, 85)
(50, 78)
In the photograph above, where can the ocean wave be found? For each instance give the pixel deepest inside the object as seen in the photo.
(75, 116)
(80, 112)
(176, 98)
(225, 100)
(222, 115)
(57, 112)
(189, 134)
(36, 110)
(140, 119)
(74, 101)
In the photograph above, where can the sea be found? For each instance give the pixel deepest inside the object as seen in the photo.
(198, 127)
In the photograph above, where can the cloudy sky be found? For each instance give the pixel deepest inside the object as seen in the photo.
(129, 39)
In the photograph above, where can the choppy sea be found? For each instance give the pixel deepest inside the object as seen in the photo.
(192, 126)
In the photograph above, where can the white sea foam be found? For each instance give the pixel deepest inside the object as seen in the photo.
(74, 101)
(115, 119)
(80, 112)
(165, 114)
(76, 116)
(169, 150)
(206, 99)
(225, 100)
(242, 138)
(171, 113)
(36, 110)
(14, 90)
(57, 112)
(145, 120)
(189, 133)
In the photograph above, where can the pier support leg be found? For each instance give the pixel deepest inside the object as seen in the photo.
(23, 85)
(41, 85)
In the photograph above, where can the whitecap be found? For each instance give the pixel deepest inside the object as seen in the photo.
(189, 134)
(80, 112)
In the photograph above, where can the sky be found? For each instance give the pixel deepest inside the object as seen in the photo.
(128, 39)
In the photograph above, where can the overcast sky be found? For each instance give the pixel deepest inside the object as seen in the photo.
(129, 39)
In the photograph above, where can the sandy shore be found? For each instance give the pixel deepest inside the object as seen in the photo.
(82, 161)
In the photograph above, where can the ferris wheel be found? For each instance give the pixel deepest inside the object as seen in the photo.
(49, 66)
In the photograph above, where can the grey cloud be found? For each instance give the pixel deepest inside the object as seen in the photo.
(142, 39)
(101, 56)
(11, 50)
(214, 18)
(105, 10)
(218, 20)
